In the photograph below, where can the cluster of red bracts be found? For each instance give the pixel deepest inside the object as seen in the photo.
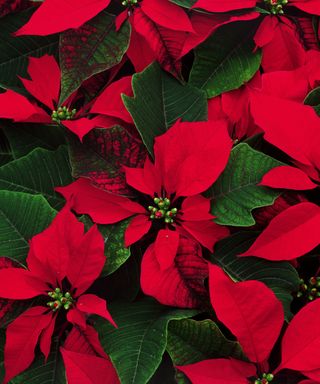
(173, 216)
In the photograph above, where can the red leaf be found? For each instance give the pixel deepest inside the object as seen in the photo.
(76, 317)
(224, 5)
(219, 371)
(286, 130)
(191, 156)
(301, 342)
(136, 229)
(20, 284)
(81, 126)
(167, 15)
(45, 338)
(45, 80)
(281, 47)
(87, 261)
(309, 6)
(289, 235)
(88, 369)
(165, 43)
(92, 304)
(139, 52)
(166, 247)
(250, 310)
(181, 284)
(287, 177)
(21, 339)
(110, 103)
(58, 15)
(101, 206)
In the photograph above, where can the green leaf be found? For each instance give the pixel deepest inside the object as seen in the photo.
(114, 249)
(24, 137)
(159, 100)
(313, 99)
(281, 277)
(41, 372)
(14, 51)
(38, 173)
(21, 217)
(184, 3)
(226, 60)
(5, 149)
(236, 192)
(90, 49)
(190, 341)
(137, 346)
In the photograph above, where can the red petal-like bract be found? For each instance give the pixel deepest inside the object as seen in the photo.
(250, 310)
(301, 342)
(224, 5)
(101, 206)
(182, 283)
(166, 247)
(45, 80)
(191, 156)
(21, 339)
(289, 235)
(287, 177)
(93, 304)
(309, 6)
(58, 15)
(84, 359)
(136, 229)
(281, 47)
(219, 371)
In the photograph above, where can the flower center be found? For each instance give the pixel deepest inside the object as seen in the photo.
(162, 210)
(309, 289)
(276, 6)
(129, 3)
(266, 378)
(63, 113)
(60, 299)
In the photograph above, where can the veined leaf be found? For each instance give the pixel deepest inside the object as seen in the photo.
(137, 346)
(226, 60)
(14, 51)
(38, 173)
(90, 49)
(21, 216)
(159, 100)
(5, 149)
(281, 277)
(24, 137)
(236, 192)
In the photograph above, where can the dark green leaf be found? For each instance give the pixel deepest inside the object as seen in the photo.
(184, 3)
(90, 49)
(137, 346)
(159, 100)
(190, 341)
(38, 173)
(313, 99)
(23, 138)
(14, 51)
(21, 217)
(5, 149)
(226, 60)
(40, 372)
(281, 277)
(236, 192)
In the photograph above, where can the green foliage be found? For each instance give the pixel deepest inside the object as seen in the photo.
(137, 346)
(21, 216)
(159, 100)
(236, 192)
(226, 60)
(14, 51)
(39, 172)
(280, 276)
(90, 49)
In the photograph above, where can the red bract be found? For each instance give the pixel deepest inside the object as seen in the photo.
(254, 315)
(63, 262)
(289, 235)
(224, 5)
(189, 157)
(58, 15)
(44, 87)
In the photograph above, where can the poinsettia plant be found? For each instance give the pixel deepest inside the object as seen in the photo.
(159, 205)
